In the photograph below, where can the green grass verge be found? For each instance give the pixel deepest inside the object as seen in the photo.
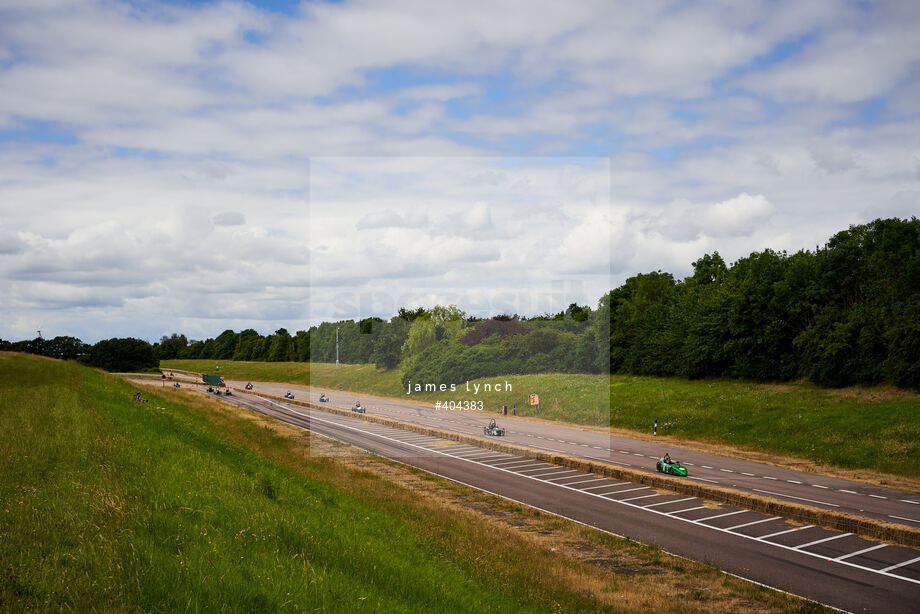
(856, 428)
(108, 504)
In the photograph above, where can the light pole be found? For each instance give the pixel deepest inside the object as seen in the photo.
(337, 346)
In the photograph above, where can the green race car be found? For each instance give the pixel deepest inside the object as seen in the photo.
(666, 465)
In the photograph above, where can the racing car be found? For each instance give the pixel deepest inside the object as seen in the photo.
(358, 408)
(673, 467)
(323, 398)
(493, 429)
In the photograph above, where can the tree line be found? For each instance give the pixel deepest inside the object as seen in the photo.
(846, 313)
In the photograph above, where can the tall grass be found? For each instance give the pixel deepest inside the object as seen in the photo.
(112, 504)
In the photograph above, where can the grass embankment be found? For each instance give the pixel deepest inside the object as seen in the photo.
(180, 503)
(873, 429)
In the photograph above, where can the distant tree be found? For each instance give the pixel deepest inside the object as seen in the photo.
(122, 355)
(66, 348)
(170, 347)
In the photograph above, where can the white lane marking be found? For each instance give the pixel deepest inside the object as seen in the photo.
(903, 518)
(689, 509)
(624, 451)
(858, 552)
(878, 496)
(512, 461)
(765, 537)
(692, 477)
(701, 520)
(726, 470)
(565, 477)
(747, 524)
(705, 466)
(674, 501)
(770, 492)
(821, 541)
(481, 455)
(606, 486)
(793, 481)
(750, 474)
(901, 564)
(617, 492)
(465, 453)
(586, 481)
(908, 501)
(848, 491)
(547, 466)
(768, 477)
(690, 464)
(638, 507)
(819, 486)
(543, 475)
(641, 497)
(518, 466)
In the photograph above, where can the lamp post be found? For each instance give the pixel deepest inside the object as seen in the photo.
(337, 346)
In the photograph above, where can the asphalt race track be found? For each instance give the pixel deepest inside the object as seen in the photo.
(891, 505)
(838, 569)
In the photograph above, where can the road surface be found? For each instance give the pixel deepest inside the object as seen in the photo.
(891, 505)
(835, 568)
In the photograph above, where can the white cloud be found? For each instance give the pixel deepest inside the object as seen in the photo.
(155, 162)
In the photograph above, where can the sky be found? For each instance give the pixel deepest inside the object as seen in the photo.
(197, 166)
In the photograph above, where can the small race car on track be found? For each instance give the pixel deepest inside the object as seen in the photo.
(493, 429)
(358, 408)
(666, 465)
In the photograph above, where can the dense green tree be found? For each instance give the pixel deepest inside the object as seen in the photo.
(122, 355)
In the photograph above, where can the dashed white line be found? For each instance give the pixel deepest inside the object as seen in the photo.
(878, 496)
(779, 494)
(616, 492)
(821, 541)
(606, 486)
(747, 524)
(887, 569)
(692, 477)
(640, 497)
(778, 533)
(674, 501)
(902, 518)
(689, 509)
(586, 481)
(858, 552)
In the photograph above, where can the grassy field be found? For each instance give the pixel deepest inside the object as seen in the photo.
(182, 504)
(872, 429)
